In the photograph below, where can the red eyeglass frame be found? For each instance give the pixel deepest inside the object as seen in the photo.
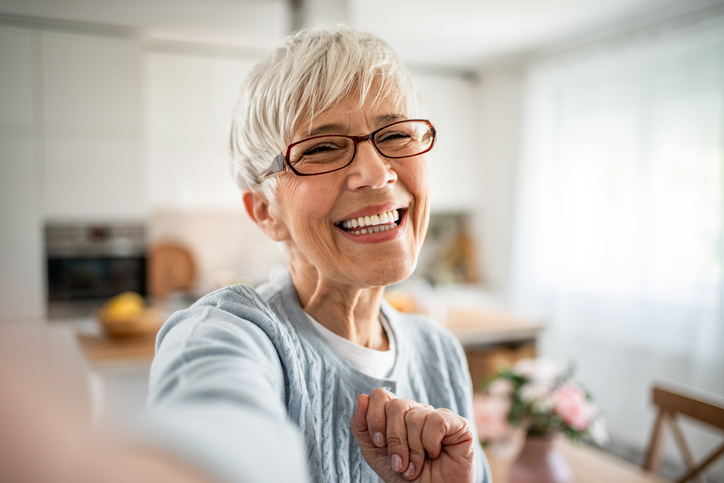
(281, 161)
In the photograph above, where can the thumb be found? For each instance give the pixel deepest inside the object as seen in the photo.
(358, 423)
(376, 458)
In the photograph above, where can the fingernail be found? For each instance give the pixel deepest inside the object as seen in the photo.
(378, 439)
(396, 462)
(356, 406)
(410, 470)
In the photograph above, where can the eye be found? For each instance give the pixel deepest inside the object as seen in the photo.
(393, 136)
(321, 148)
(324, 150)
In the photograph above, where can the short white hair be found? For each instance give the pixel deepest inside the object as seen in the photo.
(311, 72)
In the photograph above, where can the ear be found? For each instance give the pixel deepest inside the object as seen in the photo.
(265, 215)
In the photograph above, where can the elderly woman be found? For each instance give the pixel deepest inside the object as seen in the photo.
(330, 155)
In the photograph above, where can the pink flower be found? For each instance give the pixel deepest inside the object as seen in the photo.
(573, 407)
(542, 371)
(533, 391)
(491, 416)
(501, 388)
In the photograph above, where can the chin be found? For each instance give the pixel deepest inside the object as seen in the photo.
(384, 274)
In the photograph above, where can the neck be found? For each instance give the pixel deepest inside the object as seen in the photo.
(348, 311)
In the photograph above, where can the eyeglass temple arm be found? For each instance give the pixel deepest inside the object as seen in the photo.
(276, 166)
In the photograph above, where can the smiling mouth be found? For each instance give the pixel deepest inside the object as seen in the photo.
(364, 225)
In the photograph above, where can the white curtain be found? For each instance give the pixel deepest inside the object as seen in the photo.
(620, 215)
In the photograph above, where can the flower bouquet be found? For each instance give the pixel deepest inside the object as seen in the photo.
(541, 398)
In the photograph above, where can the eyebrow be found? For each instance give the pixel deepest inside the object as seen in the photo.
(389, 118)
(325, 129)
(336, 128)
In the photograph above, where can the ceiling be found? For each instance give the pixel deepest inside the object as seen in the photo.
(449, 34)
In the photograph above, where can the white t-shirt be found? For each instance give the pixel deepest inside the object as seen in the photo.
(372, 362)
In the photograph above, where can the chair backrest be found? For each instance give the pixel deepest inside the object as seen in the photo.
(674, 402)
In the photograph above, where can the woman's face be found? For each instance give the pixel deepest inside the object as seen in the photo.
(317, 210)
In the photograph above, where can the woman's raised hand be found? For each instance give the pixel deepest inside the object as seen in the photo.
(403, 440)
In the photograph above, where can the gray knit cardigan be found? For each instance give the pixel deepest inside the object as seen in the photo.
(246, 388)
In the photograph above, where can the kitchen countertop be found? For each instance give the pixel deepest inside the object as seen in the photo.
(473, 328)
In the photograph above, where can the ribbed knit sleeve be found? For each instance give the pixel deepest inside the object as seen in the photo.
(218, 391)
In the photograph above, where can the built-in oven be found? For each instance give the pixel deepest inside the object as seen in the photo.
(87, 263)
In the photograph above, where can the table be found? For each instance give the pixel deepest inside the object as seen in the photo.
(98, 347)
(117, 370)
(491, 326)
(589, 465)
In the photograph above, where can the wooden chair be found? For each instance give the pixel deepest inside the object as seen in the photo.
(671, 404)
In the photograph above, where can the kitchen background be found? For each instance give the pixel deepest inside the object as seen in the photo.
(580, 156)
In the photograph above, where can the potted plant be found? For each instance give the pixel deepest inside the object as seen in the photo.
(541, 398)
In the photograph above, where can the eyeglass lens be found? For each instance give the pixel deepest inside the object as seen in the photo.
(327, 153)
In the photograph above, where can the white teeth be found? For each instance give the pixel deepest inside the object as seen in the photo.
(374, 223)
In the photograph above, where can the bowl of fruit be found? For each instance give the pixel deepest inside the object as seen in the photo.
(127, 314)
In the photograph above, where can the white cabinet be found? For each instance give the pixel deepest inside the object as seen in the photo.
(92, 127)
(91, 83)
(21, 269)
(94, 177)
(16, 78)
(71, 146)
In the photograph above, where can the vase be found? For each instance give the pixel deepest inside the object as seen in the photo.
(540, 462)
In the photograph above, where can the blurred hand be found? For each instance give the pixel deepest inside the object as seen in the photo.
(46, 439)
(403, 440)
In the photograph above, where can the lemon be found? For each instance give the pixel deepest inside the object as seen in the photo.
(125, 306)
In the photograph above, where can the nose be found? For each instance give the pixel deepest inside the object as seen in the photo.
(369, 170)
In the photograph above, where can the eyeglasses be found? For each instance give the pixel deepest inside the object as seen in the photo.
(328, 153)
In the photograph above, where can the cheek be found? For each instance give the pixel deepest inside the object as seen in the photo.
(416, 178)
(307, 204)
(417, 181)
(424, 181)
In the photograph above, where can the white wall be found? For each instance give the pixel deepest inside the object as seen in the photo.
(497, 143)
(450, 102)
